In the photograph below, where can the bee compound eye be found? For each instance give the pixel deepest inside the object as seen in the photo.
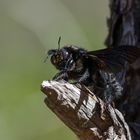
(61, 57)
(53, 60)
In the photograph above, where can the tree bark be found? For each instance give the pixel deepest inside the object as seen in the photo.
(124, 29)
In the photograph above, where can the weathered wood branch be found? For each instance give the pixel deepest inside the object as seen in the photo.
(87, 115)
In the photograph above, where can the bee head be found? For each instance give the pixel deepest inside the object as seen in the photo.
(59, 56)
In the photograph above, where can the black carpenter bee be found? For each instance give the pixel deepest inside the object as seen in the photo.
(103, 69)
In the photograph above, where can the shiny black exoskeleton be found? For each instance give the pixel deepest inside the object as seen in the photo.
(103, 69)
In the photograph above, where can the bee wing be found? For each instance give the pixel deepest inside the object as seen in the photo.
(114, 59)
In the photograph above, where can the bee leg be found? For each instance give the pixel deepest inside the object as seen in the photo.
(113, 90)
(62, 75)
(84, 79)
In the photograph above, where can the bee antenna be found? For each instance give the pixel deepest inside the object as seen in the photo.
(59, 40)
(46, 59)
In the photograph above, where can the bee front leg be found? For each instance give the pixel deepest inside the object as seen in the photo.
(62, 75)
(84, 79)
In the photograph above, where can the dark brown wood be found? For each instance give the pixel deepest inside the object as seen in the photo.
(124, 29)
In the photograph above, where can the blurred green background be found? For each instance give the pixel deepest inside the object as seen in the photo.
(28, 28)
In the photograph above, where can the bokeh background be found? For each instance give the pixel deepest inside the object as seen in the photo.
(28, 28)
